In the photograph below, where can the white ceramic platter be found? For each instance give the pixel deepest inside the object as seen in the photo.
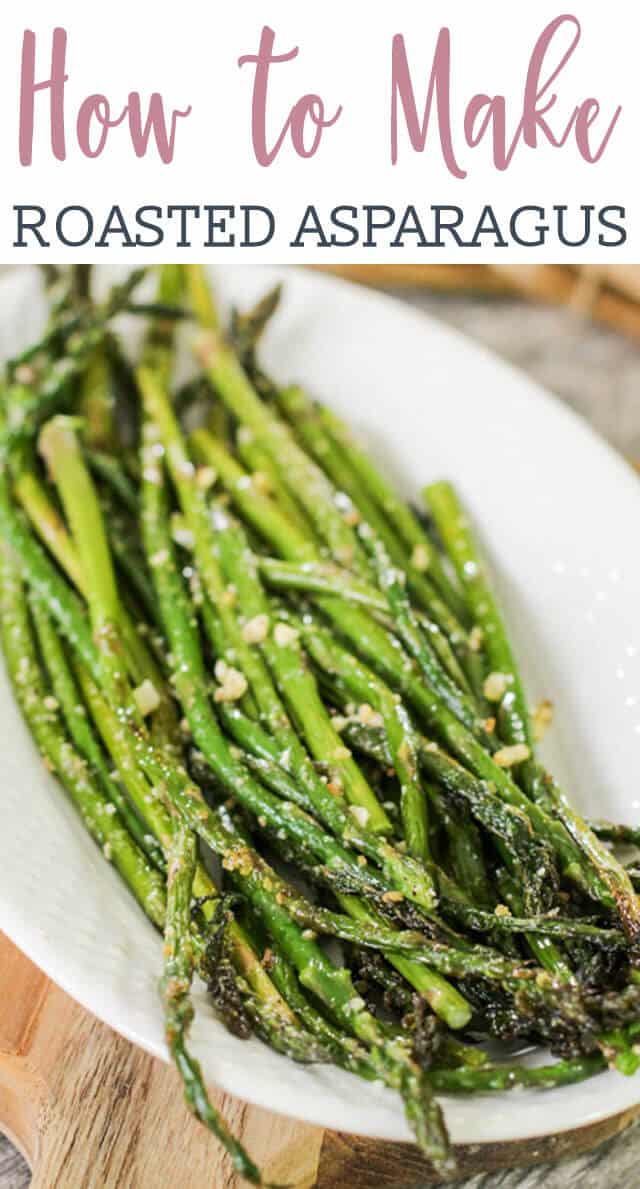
(561, 513)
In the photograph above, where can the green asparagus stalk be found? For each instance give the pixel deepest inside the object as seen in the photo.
(509, 826)
(45, 580)
(256, 507)
(248, 328)
(199, 296)
(55, 392)
(124, 543)
(205, 543)
(340, 664)
(179, 967)
(392, 584)
(274, 767)
(397, 511)
(300, 473)
(80, 284)
(500, 828)
(345, 1050)
(296, 685)
(615, 833)
(305, 420)
(191, 689)
(159, 345)
(261, 466)
(371, 639)
(46, 583)
(454, 529)
(509, 1077)
(68, 316)
(303, 477)
(48, 523)
(52, 530)
(189, 800)
(69, 700)
(549, 926)
(465, 848)
(453, 526)
(191, 686)
(334, 988)
(97, 402)
(61, 450)
(324, 578)
(398, 728)
(96, 810)
(107, 468)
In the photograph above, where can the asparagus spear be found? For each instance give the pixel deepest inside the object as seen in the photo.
(96, 810)
(286, 824)
(199, 295)
(303, 477)
(326, 578)
(81, 337)
(179, 966)
(334, 988)
(189, 800)
(392, 584)
(159, 345)
(296, 685)
(397, 511)
(194, 506)
(619, 835)
(304, 418)
(52, 530)
(107, 468)
(104, 608)
(228, 377)
(260, 464)
(258, 509)
(60, 448)
(315, 971)
(367, 636)
(191, 686)
(400, 734)
(67, 695)
(382, 645)
(97, 401)
(454, 528)
(508, 1077)
(345, 1050)
(106, 827)
(136, 745)
(273, 765)
(247, 329)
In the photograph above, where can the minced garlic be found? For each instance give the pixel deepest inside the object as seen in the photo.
(233, 683)
(256, 629)
(507, 756)
(146, 697)
(495, 686)
(283, 634)
(420, 558)
(542, 718)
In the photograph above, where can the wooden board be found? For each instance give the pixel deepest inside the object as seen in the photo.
(610, 294)
(91, 1111)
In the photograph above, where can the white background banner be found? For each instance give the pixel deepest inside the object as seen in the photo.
(527, 152)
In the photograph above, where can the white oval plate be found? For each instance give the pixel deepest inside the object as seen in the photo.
(561, 513)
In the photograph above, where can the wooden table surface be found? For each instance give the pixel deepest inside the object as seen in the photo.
(598, 373)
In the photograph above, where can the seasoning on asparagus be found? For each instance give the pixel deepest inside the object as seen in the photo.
(352, 709)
